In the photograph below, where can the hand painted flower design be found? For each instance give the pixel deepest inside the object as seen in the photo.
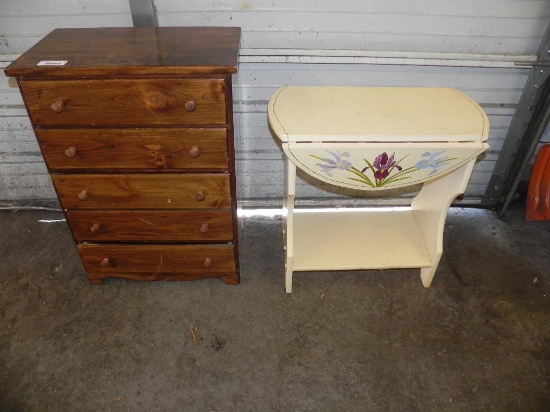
(382, 170)
(385, 170)
(383, 165)
(335, 163)
(433, 160)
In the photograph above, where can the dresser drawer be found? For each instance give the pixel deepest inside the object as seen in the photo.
(153, 262)
(77, 149)
(143, 191)
(151, 226)
(126, 102)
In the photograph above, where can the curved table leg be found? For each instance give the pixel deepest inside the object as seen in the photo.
(430, 208)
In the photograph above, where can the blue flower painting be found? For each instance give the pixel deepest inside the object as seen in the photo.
(336, 162)
(434, 161)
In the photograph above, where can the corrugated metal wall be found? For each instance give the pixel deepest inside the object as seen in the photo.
(470, 45)
(24, 178)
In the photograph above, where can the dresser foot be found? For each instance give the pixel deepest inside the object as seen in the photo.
(96, 280)
(231, 279)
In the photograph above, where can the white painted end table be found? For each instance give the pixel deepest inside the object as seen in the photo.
(373, 139)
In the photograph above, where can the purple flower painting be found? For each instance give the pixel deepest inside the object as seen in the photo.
(383, 165)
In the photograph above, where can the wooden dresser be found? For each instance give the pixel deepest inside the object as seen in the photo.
(136, 127)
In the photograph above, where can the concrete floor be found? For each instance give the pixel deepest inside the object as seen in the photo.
(479, 339)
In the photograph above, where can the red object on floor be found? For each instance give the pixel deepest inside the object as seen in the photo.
(538, 194)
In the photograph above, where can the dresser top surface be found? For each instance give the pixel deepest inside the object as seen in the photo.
(374, 114)
(131, 51)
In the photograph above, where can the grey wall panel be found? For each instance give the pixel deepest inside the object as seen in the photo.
(23, 23)
(467, 26)
(23, 173)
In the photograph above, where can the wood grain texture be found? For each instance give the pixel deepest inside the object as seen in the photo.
(149, 111)
(143, 191)
(158, 262)
(151, 226)
(134, 148)
(133, 51)
(125, 102)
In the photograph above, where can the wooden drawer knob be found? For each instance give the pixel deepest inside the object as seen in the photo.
(195, 152)
(207, 263)
(94, 228)
(205, 228)
(105, 263)
(70, 152)
(199, 197)
(83, 195)
(57, 107)
(190, 105)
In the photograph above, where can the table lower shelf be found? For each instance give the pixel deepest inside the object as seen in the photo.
(350, 240)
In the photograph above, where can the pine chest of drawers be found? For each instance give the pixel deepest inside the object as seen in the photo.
(136, 127)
